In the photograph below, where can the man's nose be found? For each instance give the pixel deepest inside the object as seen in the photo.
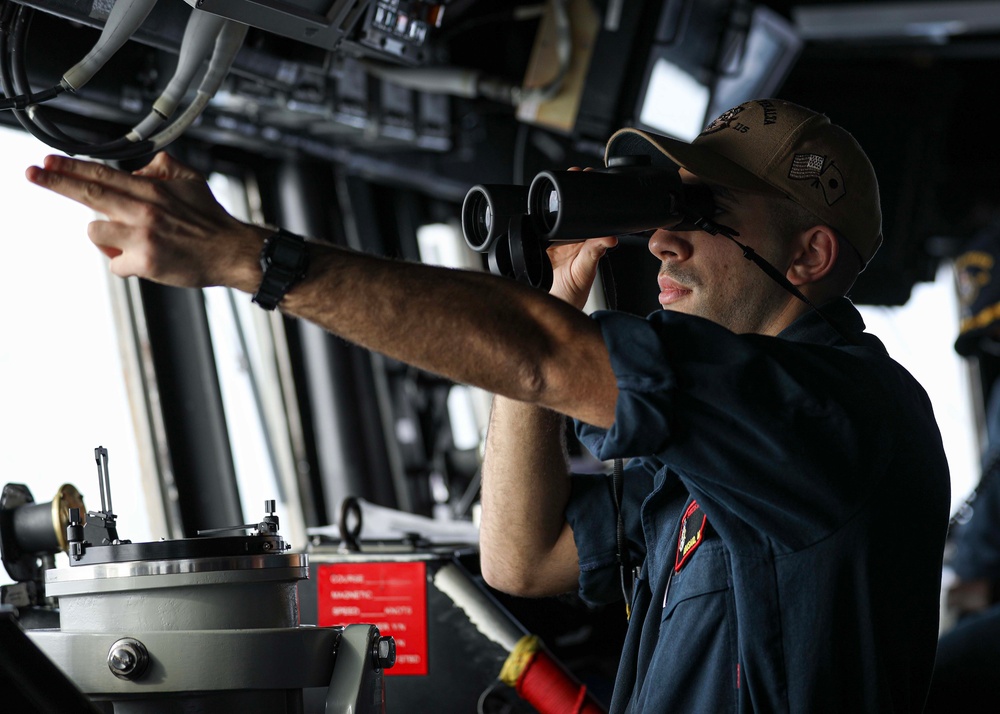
(667, 245)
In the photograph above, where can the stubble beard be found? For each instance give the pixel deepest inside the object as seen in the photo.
(748, 311)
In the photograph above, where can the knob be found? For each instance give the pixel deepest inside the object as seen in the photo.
(128, 658)
(384, 652)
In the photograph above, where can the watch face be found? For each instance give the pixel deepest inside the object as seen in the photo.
(285, 250)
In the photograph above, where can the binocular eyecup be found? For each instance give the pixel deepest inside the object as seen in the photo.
(487, 210)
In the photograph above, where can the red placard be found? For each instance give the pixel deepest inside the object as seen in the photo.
(391, 596)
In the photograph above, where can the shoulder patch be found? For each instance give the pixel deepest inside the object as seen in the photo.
(692, 532)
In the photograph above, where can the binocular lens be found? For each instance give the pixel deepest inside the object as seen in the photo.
(483, 216)
(487, 210)
(486, 219)
(543, 199)
(477, 219)
(550, 213)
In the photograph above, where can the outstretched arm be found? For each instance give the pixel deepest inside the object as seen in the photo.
(163, 224)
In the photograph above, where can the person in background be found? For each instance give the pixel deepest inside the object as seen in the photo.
(969, 652)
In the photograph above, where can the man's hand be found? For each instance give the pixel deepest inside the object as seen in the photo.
(162, 222)
(574, 268)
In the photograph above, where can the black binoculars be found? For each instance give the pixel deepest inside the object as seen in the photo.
(515, 224)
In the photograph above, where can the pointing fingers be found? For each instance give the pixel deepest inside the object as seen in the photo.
(96, 186)
(163, 223)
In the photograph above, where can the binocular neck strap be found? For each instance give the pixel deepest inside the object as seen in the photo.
(772, 272)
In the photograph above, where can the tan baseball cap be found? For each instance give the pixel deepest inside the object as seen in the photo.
(770, 145)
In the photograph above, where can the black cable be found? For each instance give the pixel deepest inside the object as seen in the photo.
(123, 148)
(10, 15)
(6, 13)
(22, 101)
(19, 69)
(14, 78)
(9, 59)
(13, 99)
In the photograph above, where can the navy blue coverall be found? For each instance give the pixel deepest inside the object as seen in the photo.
(788, 499)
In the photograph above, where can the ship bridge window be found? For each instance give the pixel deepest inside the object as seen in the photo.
(63, 379)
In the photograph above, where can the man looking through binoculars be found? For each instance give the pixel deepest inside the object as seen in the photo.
(786, 494)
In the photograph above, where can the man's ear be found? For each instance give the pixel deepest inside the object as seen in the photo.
(817, 250)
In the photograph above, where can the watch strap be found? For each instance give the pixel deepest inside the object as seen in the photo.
(284, 260)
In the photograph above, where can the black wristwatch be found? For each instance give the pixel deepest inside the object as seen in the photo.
(284, 260)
